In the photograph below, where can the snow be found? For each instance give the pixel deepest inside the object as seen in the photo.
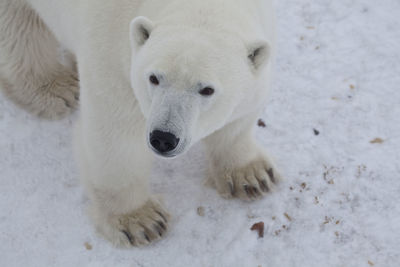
(337, 72)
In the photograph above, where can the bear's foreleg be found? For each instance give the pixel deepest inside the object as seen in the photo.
(115, 168)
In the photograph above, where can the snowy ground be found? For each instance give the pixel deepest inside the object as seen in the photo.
(338, 72)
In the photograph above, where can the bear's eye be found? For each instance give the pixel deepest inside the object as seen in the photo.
(207, 91)
(154, 80)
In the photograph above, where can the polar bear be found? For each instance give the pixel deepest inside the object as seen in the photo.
(155, 77)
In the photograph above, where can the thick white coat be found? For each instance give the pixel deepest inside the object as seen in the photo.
(191, 43)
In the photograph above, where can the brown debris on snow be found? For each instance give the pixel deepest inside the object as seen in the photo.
(88, 246)
(261, 123)
(377, 141)
(200, 211)
(288, 217)
(258, 227)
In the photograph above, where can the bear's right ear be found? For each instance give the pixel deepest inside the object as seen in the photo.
(140, 30)
(259, 54)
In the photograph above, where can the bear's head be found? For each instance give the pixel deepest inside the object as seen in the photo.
(190, 82)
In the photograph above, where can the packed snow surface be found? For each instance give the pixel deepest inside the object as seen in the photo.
(332, 125)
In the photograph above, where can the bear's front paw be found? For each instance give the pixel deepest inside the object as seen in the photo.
(138, 228)
(248, 183)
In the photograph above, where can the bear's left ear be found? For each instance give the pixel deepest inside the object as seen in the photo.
(259, 54)
(140, 30)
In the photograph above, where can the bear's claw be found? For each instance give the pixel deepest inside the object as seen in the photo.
(129, 237)
(248, 183)
(138, 228)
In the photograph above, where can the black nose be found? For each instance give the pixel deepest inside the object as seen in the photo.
(163, 142)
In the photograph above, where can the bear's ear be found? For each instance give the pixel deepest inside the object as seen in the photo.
(258, 54)
(140, 30)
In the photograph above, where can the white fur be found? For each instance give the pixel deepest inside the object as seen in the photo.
(224, 44)
(30, 73)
